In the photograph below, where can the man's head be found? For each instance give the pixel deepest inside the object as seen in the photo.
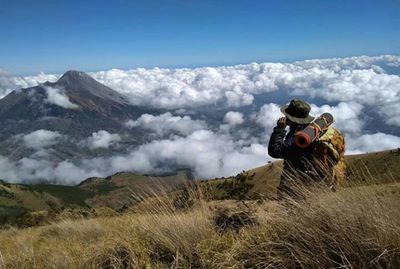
(297, 112)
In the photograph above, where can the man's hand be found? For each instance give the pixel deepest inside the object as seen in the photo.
(281, 123)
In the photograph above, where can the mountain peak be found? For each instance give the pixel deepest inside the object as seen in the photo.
(72, 75)
(74, 72)
(79, 84)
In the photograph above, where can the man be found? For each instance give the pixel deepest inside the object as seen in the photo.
(297, 161)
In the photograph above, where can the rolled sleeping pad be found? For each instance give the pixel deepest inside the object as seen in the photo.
(305, 137)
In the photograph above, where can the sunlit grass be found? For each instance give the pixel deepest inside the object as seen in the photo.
(355, 227)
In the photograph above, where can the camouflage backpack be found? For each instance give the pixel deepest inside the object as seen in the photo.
(328, 157)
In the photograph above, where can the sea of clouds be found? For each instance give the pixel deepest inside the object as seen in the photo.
(363, 94)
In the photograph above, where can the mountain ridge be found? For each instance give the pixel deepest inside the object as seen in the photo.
(76, 81)
(75, 106)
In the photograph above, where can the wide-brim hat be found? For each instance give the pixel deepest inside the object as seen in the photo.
(298, 112)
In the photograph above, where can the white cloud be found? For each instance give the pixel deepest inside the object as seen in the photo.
(391, 113)
(363, 86)
(103, 139)
(347, 120)
(178, 88)
(58, 97)
(355, 79)
(165, 123)
(349, 88)
(8, 82)
(356, 62)
(372, 142)
(364, 80)
(206, 153)
(233, 118)
(41, 138)
(267, 116)
(248, 157)
(65, 172)
(346, 116)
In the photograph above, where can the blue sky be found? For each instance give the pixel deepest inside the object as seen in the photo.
(53, 36)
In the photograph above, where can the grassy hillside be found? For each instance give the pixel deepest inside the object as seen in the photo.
(261, 182)
(118, 191)
(355, 227)
(382, 166)
(17, 200)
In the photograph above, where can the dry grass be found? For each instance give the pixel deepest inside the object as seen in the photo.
(357, 227)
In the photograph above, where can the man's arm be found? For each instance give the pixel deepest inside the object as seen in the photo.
(277, 146)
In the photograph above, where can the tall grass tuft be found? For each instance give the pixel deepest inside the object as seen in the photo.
(355, 227)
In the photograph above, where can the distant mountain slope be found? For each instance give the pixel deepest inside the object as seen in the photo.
(71, 109)
(122, 189)
(76, 105)
(261, 182)
(116, 192)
